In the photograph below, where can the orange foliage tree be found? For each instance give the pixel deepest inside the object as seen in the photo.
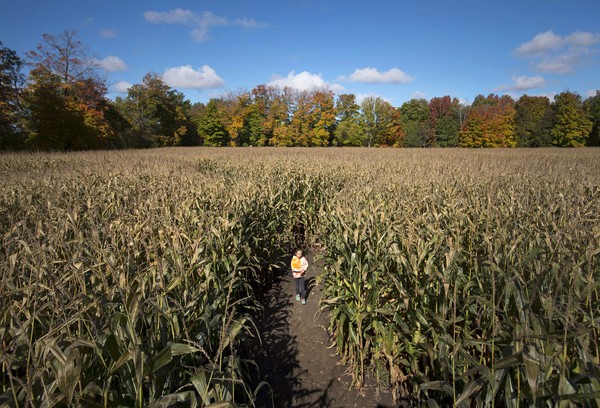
(490, 123)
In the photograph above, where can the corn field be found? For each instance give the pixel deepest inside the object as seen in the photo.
(453, 277)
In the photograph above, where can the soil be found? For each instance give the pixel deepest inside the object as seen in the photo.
(297, 358)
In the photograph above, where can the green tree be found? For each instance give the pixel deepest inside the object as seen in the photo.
(347, 108)
(370, 118)
(592, 107)
(211, 129)
(349, 133)
(530, 112)
(257, 135)
(11, 82)
(159, 115)
(416, 123)
(571, 125)
(349, 130)
(260, 121)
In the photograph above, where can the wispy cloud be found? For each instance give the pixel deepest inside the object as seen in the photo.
(540, 43)
(200, 23)
(558, 54)
(189, 78)
(108, 33)
(249, 23)
(304, 81)
(523, 83)
(177, 16)
(374, 76)
(112, 64)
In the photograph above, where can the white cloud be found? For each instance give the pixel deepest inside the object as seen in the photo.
(304, 81)
(523, 83)
(549, 95)
(419, 95)
(360, 97)
(187, 77)
(558, 54)
(108, 33)
(464, 102)
(112, 64)
(374, 76)
(591, 93)
(200, 23)
(121, 87)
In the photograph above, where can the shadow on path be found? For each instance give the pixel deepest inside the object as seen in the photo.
(295, 357)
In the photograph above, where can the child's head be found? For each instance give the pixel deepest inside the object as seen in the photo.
(298, 253)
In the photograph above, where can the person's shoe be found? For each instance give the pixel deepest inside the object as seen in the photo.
(303, 301)
(297, 297)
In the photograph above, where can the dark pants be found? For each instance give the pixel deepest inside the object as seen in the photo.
(301, 287)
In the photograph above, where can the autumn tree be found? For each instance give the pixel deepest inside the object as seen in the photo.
(530, 128)
(66, 97)
(236, 110)
(391, 133)
(381, 123)
(281, 112)
(592, 107)
(490, 123)
(322, 118)
(299, 127)
(11, 82)
(444, 121)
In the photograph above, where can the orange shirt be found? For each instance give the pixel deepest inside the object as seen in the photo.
(298, 265)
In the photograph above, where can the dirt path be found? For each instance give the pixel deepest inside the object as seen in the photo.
(296, 356)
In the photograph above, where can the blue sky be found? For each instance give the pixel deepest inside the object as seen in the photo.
(394, 49)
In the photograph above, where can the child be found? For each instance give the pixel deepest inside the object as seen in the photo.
(299, 267)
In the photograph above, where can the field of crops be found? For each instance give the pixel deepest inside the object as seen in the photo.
(458, 277)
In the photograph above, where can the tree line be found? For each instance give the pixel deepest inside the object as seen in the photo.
(62, 104)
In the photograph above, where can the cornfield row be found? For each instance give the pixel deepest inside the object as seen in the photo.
(473, 282)
(134, 280)
(453, 277)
